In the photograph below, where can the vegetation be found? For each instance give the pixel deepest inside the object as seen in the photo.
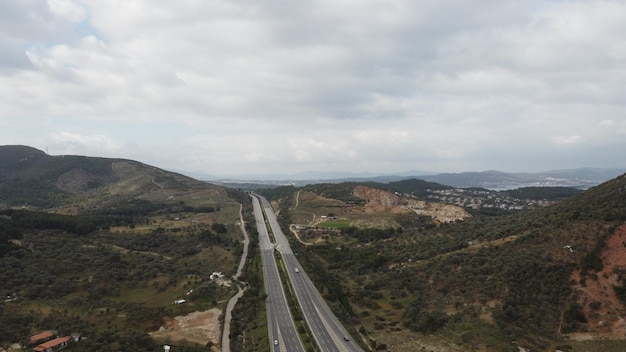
(76, 272)
(249, 323)
(539, 193)
(415, 187)
(338, 224)
(105, 254)
(489, 279)
(605, 202)
(107, 259)
(31, 192)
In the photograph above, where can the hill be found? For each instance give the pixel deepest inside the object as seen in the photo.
(31, 178)
(412, 280)
(583, 178)
(102, 247)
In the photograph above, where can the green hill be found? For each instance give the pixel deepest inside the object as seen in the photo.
(31, 178)
(528, 278)
(103, 247)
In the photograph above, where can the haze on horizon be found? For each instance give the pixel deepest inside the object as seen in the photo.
(275, 87)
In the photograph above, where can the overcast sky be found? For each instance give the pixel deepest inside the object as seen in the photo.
(234, 87)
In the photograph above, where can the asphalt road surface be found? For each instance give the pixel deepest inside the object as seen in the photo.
(281, 328)
(328, 332)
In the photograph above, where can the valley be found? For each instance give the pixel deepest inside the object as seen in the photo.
(104, 248)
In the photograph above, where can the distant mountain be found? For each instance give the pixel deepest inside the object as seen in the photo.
(583, 178)
(310, 177)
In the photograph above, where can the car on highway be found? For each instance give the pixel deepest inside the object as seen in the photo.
(275, 342)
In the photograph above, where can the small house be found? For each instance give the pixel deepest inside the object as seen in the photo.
(53, 345)
(41, 337)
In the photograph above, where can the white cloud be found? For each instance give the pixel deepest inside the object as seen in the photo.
(566, 140)
(317, 84)
(76, 143)
(67, 9)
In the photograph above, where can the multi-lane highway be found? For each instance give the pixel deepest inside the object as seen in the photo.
(282, 330)
(328, 332)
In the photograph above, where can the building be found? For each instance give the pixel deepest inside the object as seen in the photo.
(216, 275)
(42, 337)
(53, 345)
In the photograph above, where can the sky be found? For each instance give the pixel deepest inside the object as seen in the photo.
(241, 87)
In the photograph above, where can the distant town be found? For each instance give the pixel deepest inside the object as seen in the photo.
(485, 199)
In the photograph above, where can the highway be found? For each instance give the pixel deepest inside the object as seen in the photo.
(328, 332)
(282, 331)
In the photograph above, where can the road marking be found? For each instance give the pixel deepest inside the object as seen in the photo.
(331, 332)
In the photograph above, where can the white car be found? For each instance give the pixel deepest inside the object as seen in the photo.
(275, 342)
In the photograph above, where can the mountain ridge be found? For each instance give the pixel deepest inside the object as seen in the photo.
(18, 156)
(582, 178)
(30, 177)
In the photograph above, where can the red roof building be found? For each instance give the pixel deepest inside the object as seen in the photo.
(53, 345)
(42, 337)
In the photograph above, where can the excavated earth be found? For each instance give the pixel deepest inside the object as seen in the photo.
(196, 327)
(380, 200)
(604, 311)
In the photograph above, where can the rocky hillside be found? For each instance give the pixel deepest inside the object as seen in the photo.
(381, 200)
(599, 294)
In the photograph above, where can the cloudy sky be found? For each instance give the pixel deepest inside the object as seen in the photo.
(235, 87)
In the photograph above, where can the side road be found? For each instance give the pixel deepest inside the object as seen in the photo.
(241, 286)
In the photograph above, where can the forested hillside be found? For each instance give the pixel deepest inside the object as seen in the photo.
(475, 284)
(103, 247)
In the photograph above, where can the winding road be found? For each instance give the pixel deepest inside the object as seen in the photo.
(231, 303)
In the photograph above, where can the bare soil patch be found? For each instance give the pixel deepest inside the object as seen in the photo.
(196, 327)
(604, 311)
